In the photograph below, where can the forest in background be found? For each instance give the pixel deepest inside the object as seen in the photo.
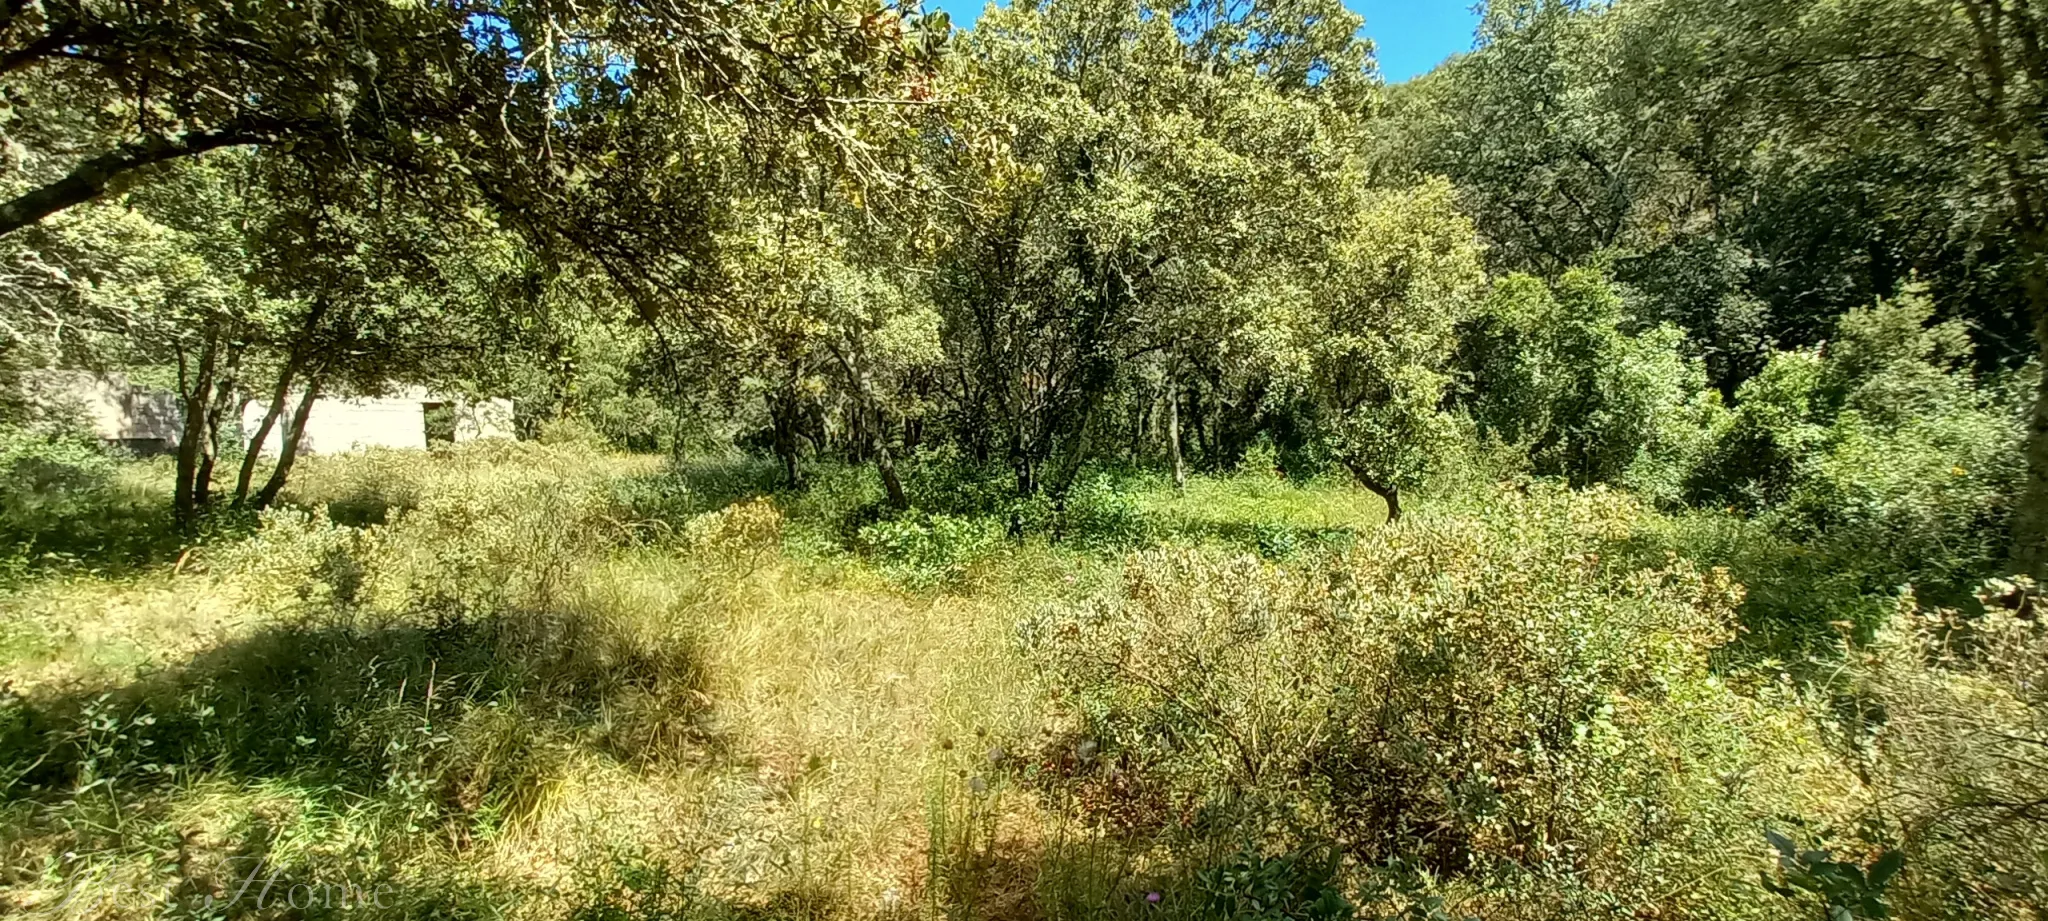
(1689, 353)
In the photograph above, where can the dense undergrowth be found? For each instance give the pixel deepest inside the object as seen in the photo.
(539, 681)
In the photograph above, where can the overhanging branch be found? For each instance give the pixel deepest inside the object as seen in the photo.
(90, 179)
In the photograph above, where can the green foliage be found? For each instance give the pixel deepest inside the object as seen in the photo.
(1370, 355)
(50, 478)
(929, 550)
(1951, 709)
(1546, 367)
(1846, 890)
(65, 503)
(1103, 514)
(977, 305)
(1883, 452)
(1473, 695)
(1288, 887)
(431, 677)
(743, 535)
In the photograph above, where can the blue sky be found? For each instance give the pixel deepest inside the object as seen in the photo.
(1413, 35)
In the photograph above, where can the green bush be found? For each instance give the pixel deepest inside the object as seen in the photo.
(944, 480)
(46, 483)
(66, 502)
(1878, 462)
(924, 550)
(1101, 514)
(1547, 367)
(744, 535)
(1488, 699)
(1289, 887)
(1953, 713)
(478, 527)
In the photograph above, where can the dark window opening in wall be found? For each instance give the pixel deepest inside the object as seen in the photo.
(440, 422)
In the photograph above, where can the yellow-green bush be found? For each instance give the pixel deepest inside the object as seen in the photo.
(1955, 739)
(1481, 699)
(744, 535)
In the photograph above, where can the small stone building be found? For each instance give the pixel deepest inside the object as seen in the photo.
(149, 421)
(411, 418)
(140, 419)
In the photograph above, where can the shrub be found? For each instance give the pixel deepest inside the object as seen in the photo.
(924, 550)
(1101, 515)
(1546, 366)
(574, 431)
(294, 560)
(489, 544)
(48, 483)
(943, 480)
(742, 535)
(682, 489)
(477, 527)
(1288, 887)
(1881, 457)
(64, 501)
(1955, 741)
(1480, 698)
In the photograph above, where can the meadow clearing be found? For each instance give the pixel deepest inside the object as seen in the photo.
(542, 681)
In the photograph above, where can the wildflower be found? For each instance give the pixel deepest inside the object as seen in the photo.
(1152, 897)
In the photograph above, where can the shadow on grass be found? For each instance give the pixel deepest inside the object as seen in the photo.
(1269, 540)
(685, 488)
(454, 717)
(641, 889)
(92, 517)
(1011, 878)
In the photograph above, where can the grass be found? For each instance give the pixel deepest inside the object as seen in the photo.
(367, 702)
(523, 681)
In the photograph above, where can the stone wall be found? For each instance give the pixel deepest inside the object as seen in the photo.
(151, 421)
(398, 421)
(144, 420)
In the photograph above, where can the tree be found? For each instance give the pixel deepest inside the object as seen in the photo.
(430, 88)
(369, 290)
(1547, 367)
(1120, 181)
(1371, 352)
(1964, 81)
(818, 323)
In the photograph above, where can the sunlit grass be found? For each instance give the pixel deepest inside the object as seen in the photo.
(506, 681)
(1221, 504)
(825, 702)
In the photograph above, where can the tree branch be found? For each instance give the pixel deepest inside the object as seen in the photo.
(90, 179)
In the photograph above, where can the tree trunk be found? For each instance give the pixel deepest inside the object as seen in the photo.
(288, 452)
(2030, 521)
(873, 429)
(1180, 467)
(891, 483)
(782, 415)
(1027, 476)
(202, 481)
(1388, 492)
(2008, 121)
(198, 395)
(885, 462)
(256, 440)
